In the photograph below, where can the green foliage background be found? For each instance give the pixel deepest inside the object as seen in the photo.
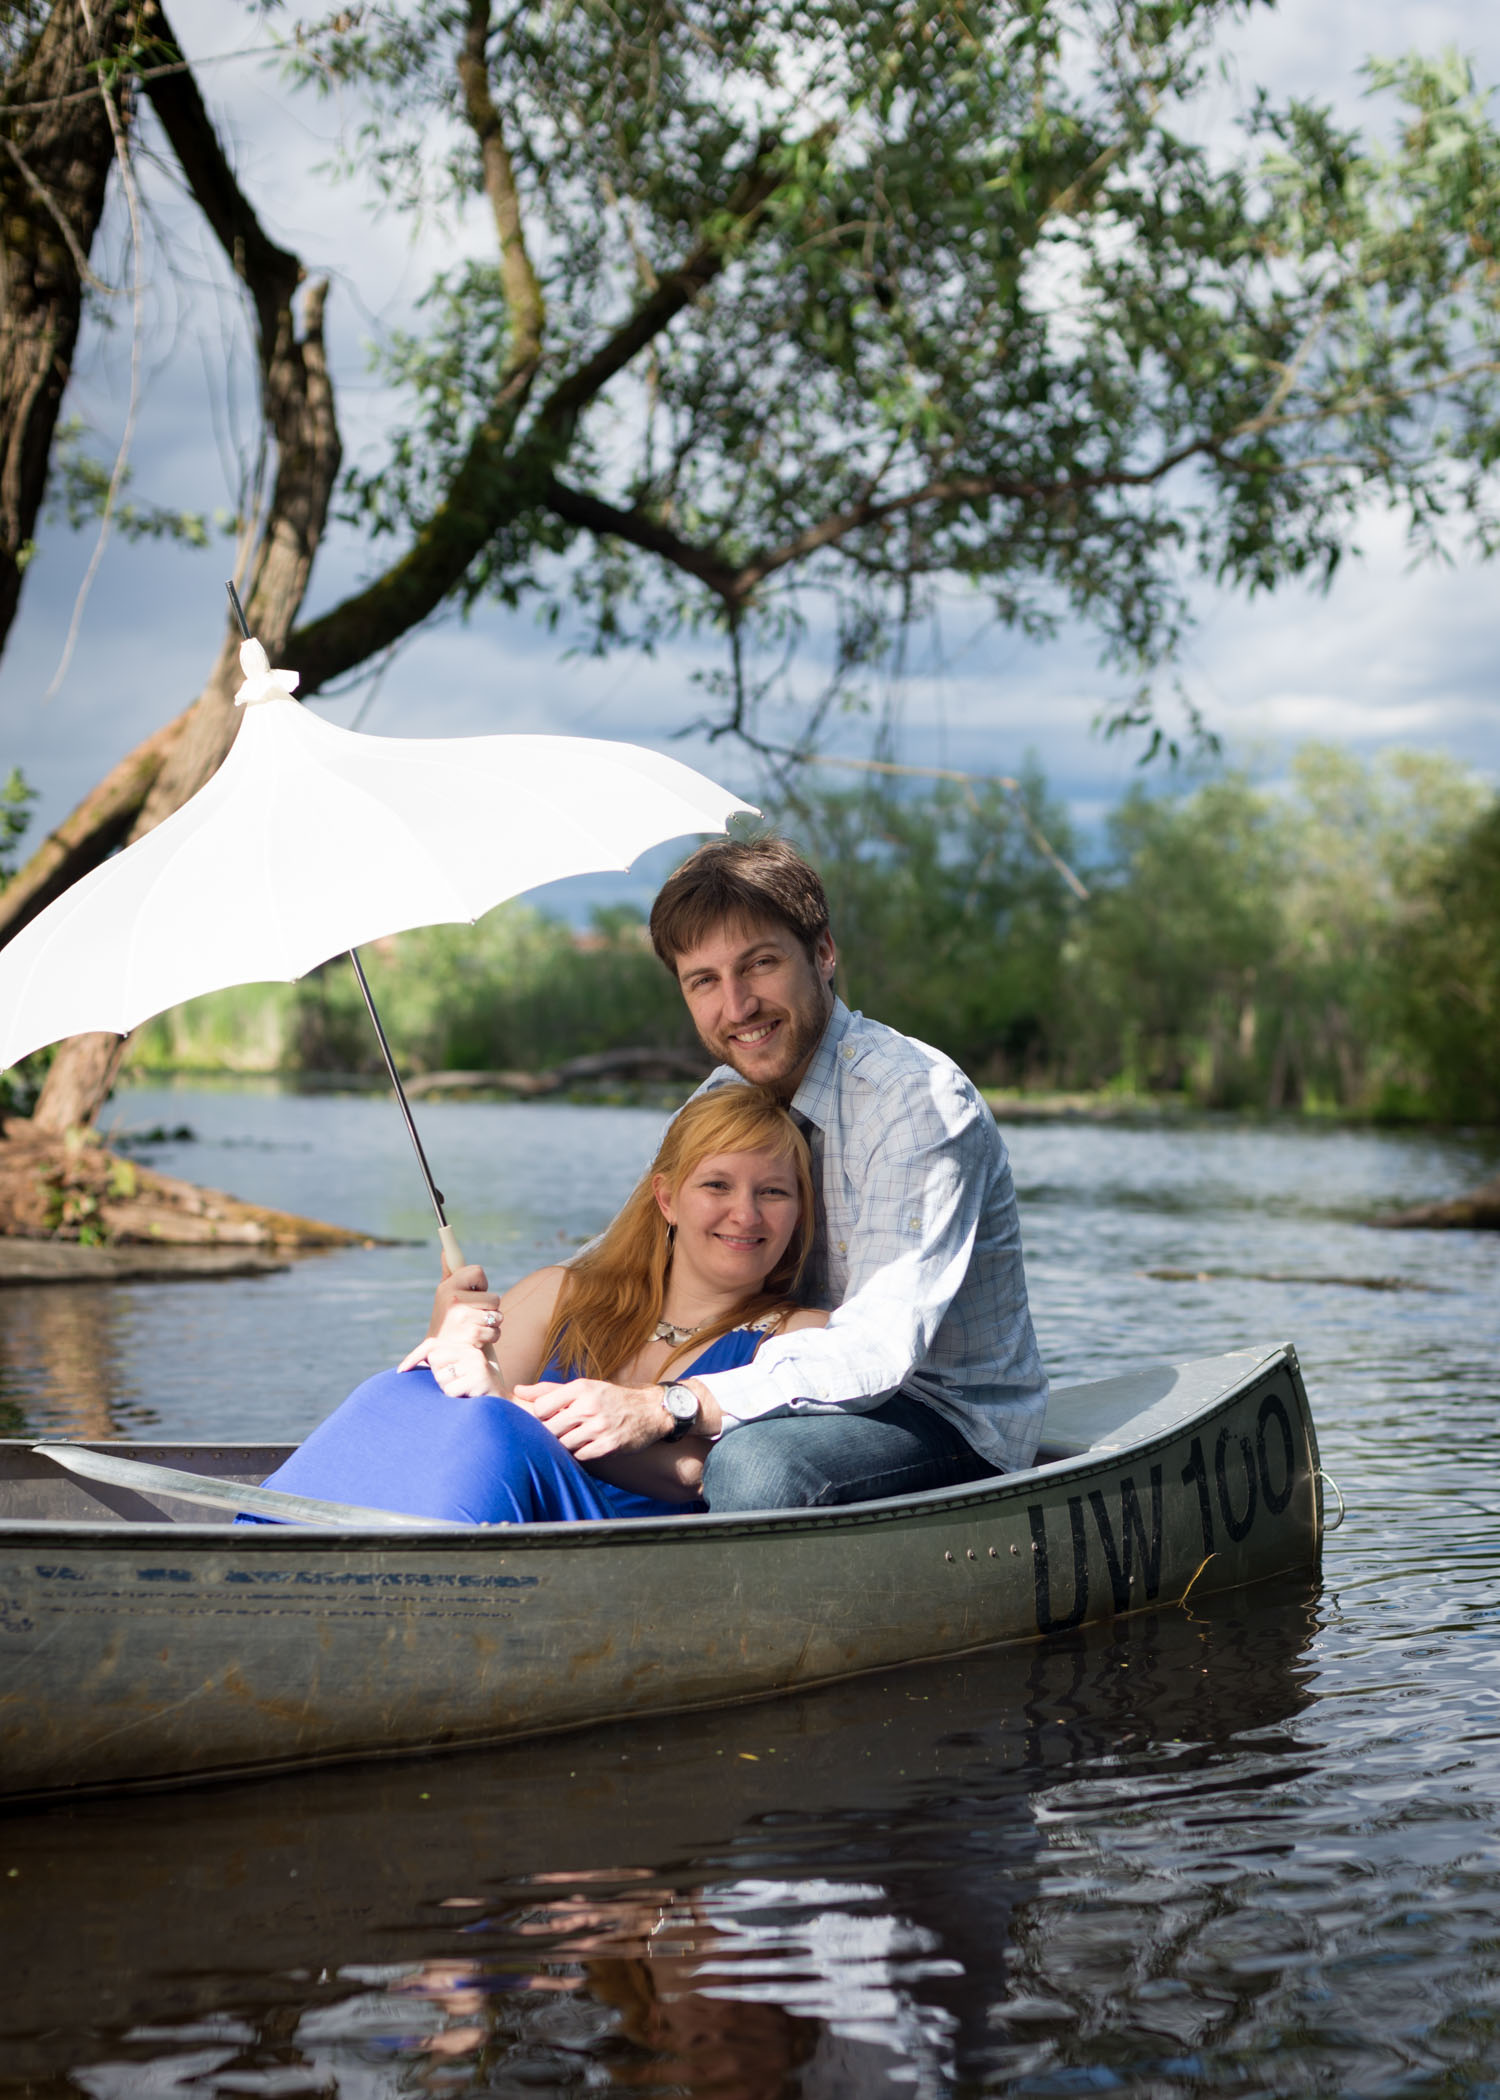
(1330, 945)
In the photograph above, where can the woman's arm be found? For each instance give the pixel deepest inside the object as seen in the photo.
(670, 1472)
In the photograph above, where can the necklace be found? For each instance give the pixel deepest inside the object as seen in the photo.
(666, 1332)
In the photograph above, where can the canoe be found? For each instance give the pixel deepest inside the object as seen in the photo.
(145, 1638)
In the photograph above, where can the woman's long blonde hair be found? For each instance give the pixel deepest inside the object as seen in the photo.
(612, 1295)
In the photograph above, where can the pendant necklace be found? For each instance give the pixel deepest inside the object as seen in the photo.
(666, 1332)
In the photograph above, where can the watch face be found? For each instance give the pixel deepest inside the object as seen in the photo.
(681, 1404)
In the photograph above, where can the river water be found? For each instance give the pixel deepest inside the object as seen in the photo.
(1245, 1847)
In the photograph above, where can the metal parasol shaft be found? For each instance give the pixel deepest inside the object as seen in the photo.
(447, 1239)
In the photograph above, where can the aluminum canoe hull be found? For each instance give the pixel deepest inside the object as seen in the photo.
(135, 1647)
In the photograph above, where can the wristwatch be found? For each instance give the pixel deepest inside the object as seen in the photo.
(681, 1403)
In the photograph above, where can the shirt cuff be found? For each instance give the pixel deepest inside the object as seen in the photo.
(748, 1393)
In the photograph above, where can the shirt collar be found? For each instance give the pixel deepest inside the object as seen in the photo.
(814, 1097)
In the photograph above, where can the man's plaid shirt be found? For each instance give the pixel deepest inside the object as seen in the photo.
(919, 1252)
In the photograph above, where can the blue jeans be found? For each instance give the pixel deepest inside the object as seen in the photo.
(816, 1461)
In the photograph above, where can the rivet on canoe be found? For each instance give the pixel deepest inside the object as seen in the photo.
(971, 1554)
(1016, 1550)
(947, 1556)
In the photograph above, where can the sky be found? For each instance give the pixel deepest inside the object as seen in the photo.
(1391, 656)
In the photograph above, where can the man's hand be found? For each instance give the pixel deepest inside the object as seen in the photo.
(592, 1418)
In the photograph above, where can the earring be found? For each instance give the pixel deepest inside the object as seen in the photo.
(671, 1234)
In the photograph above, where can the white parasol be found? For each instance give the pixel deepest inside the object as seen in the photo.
(310, 839)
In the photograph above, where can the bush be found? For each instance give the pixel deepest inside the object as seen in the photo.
(517, 991)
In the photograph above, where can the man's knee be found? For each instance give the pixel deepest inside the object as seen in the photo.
(760, 1467)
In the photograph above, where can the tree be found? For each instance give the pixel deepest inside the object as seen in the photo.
(950, 924)
(297, 402)
(1448, 977)
(842, 299)
(65, 105)
(1259, 949)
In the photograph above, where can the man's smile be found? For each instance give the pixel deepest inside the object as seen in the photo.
(755, 1032)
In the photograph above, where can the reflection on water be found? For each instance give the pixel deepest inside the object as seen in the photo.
(59, 1371)
(826, 1893)
(1247, 1847)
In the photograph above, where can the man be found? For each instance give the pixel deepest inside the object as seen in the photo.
(927, 1374)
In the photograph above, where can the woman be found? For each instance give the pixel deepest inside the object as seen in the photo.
(698, 1268)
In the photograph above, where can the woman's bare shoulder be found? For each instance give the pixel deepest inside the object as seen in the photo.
(536, 1292)
(803, 1316)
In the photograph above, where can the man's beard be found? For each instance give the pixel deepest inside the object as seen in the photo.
(800, 1036)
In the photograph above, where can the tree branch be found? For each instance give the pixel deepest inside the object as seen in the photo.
(675, 290)
(495, 483)
(734, 584)
(523, 294)
(269, 272)
(593, 514)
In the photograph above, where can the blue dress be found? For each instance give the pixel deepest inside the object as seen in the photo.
(399, 1442)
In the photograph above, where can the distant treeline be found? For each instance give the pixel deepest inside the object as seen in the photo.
(1332, 944)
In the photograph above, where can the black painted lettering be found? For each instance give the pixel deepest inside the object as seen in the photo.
(1120, 1560)
(1272, 1409)
(1237, 1527)
(1147, 1543)
(1195, 1474)
(1117, 1563)
(1046, 1621)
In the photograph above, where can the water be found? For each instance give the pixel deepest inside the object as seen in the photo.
(1244, 1848)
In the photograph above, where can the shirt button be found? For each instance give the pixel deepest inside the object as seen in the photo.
(848, 1052)
(843, 1247)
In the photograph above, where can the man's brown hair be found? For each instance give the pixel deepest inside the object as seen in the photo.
(737, 881)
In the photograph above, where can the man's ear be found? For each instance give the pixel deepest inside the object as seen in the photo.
(825, 956)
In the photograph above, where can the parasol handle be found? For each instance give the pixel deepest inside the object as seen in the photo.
(447, 1238)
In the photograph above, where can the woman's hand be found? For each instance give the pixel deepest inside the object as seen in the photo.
(464, 1373)
(467, 1286)
(460, 1354)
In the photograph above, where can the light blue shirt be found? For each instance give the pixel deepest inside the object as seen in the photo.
(919, 1252)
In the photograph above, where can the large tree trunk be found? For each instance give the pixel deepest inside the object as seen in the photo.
(56, 150)
(297, 399)
(102, 821)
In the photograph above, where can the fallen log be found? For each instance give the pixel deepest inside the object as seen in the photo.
(638, 1065)
(1477, 1211)
(67, 1187)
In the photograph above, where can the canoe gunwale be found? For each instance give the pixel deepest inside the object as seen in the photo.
(593, 1534)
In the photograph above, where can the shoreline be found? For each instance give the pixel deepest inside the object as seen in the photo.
(1008, 1104)
(31, 1262)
